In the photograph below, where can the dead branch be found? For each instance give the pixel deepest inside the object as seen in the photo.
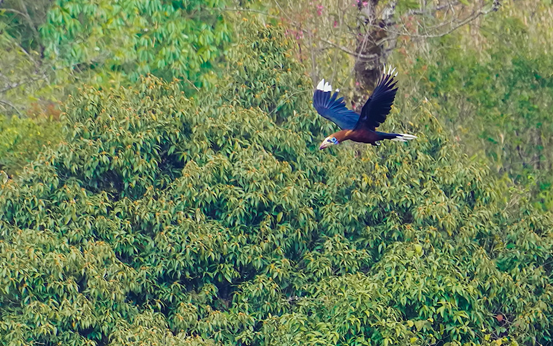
(12, 106)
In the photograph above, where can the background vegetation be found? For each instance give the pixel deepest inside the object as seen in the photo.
(199, 211)
(496, 96)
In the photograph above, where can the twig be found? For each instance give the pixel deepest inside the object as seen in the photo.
(12, 106)
(447, 32)
(346, 50)
(435, 9)
(250, 10)
(191, 84)
(26, 53)
(28, 17)
(341, 19)
(12, 11)
(13, 86)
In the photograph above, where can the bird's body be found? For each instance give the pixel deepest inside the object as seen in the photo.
(358, 127)
(362, 136)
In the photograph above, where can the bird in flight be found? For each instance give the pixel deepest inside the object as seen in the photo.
(359, 127)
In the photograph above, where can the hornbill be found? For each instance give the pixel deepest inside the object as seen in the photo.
(359, 127)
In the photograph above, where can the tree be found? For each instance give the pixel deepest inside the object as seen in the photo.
(23, 19)
(23, 78)
(363, 34)
(49, 46)
(164, 219)
(493, 88)
(127, 39)
(28, 115)
(24, 138)
(113, 42)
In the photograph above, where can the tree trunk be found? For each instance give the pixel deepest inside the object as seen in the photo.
(375, 42)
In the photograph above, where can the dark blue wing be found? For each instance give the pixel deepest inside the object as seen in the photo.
(333, 109)
(378, 106)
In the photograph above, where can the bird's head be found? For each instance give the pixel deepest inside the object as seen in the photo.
(330, 140)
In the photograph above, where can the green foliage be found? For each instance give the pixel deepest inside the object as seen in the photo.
(22, 78)
(264, 74)
(168, 220)
(497, 99)
(127, 39)
(28, 120)
(24, 138)
(268, 55)
(22, 19)
(47, 45)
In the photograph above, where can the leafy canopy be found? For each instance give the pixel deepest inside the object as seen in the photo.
(23, 139)
(169, 220)
(130, 38)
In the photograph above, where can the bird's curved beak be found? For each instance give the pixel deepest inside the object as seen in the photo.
(324, 145)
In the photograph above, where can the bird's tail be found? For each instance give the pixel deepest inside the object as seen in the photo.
(400, 137)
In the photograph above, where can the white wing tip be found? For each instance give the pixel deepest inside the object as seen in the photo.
(389, 70)
(404, 137)
(324, 86)
(321, 84)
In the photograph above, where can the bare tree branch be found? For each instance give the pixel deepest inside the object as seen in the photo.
(250, 10)
(335, 45)
(13, 86)
(456, 25)
(12, 11)
(349, 51)
(432, 10)
(28, 18)
(373, 37)
(12, 106)
(28, 80)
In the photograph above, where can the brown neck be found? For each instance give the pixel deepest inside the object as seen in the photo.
(342, 135)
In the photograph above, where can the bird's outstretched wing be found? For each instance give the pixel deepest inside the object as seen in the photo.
(333, 109)
(378, 106)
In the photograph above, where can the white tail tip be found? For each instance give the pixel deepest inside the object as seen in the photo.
(404, 137)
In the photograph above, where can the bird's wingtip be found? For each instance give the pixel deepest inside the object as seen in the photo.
(321, 84)
(324, 86)
(389, 70)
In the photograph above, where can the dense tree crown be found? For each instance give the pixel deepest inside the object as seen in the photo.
(485, 63)
(134, 37)
(169, 220)
(50, 46)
